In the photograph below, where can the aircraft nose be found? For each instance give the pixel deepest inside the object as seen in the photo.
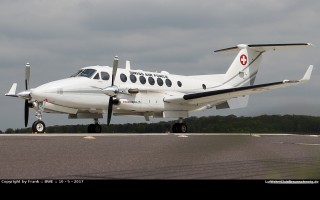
(43, 92)
(38, 94)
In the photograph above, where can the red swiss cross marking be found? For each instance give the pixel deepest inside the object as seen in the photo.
(243, 59)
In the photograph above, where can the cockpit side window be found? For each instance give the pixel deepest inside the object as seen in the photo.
(97, 76)
(87, 73)
(105, 76)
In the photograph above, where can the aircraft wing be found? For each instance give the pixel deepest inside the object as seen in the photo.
(226, 94)
(12, 91)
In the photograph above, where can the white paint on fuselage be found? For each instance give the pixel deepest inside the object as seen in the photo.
(85, 94)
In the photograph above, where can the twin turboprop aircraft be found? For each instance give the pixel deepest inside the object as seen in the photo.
(97, 90)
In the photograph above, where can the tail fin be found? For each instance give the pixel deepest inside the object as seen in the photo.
(244, 68)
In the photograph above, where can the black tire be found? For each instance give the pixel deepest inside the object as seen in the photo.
(183, 128)
(175, 128)
(91, 128)
(97, 128)
(179, 128)
(38, 127)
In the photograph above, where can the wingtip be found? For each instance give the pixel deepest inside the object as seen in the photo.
(308, 73)
(12, 91)
(310, 44)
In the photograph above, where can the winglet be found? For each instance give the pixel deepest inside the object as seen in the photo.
(12, 91)
(307, 75)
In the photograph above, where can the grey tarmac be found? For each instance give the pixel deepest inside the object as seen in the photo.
(159, 156)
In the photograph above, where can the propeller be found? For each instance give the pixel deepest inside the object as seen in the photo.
(26, 103)
(26, 112)
(113, 88)
(110, 110)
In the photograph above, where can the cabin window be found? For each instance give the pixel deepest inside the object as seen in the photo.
(123, 78)
(160, 81)
(151, 81)
(97, 76)
(168, 82)
(105, 76)
(142, 79)
(179, 83)
(204, 86)
(133, 78)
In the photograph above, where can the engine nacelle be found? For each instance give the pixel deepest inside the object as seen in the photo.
(116, 101)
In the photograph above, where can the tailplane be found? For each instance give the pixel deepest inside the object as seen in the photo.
(244, 68)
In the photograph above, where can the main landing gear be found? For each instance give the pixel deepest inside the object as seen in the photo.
(179, 127)
(95, 128)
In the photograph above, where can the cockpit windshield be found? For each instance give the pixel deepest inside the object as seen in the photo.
(76, 74)
(85, 73)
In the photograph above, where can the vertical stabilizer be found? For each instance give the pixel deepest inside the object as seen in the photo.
(244, 68)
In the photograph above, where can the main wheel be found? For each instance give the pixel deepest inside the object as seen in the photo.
(38, 127)
(175, 128)
(91, 128)
(179, 128)
(97, 128)
(183, 128)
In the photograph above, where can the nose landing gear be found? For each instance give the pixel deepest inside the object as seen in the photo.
(39, 126)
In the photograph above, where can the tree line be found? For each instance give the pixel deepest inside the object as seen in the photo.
(213, 124)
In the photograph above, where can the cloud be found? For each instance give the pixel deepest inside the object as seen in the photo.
(58, 37)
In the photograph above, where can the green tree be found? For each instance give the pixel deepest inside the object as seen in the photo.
(9, 130)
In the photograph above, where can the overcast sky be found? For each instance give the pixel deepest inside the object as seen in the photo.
(58, 37)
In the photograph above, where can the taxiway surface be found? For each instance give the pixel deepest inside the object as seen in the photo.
(159, 156)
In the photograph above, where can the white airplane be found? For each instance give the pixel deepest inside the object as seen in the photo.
(97, 90)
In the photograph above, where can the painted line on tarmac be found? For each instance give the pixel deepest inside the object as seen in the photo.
(309, 144)
(89, 137)
(182, 135)
(298, 143)
(255, 135)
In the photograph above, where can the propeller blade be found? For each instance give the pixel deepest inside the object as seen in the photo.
(114, 69)
(26, 113)
(27, 75)
(111, 89)
(110, 110)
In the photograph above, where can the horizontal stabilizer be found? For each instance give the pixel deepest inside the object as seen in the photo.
(262, 47)
(239, 102)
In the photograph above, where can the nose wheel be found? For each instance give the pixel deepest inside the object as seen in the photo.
(38, 127)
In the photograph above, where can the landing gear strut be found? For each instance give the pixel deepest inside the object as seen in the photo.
(95, 128)
(39, 126)
(179, 127)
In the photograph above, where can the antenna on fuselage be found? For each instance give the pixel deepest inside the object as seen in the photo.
(128, 67)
